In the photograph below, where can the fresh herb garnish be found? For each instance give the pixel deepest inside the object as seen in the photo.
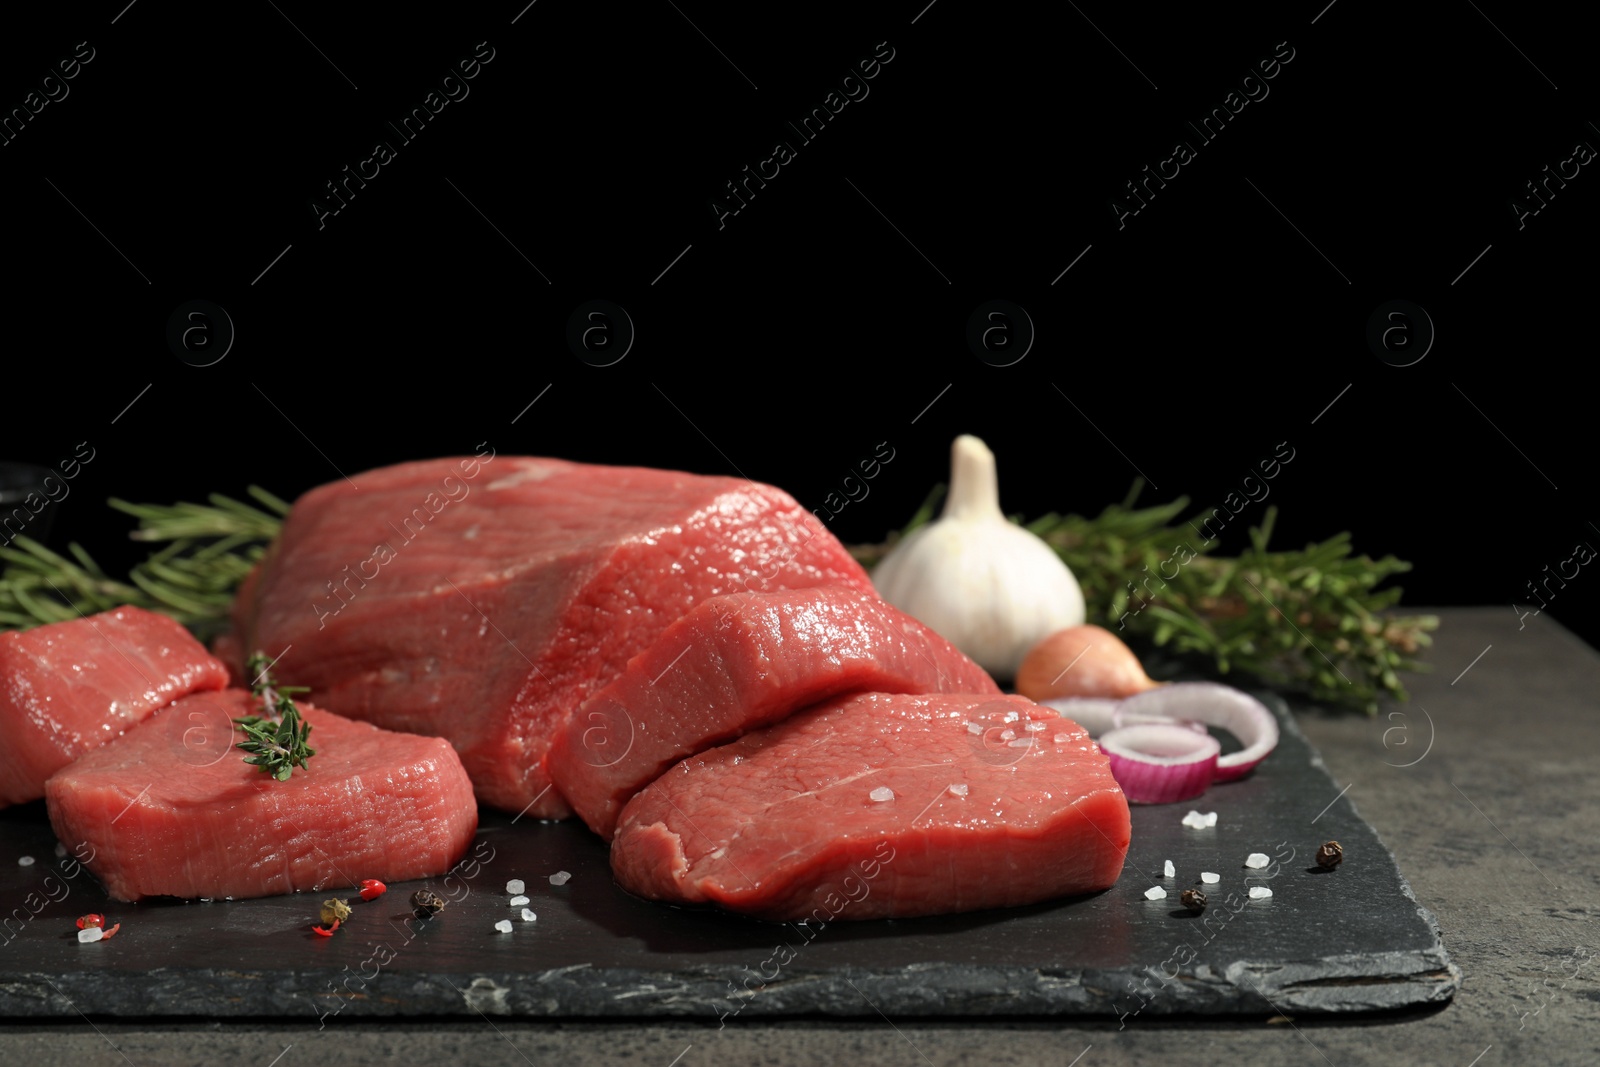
(277, 739)
(207, 550)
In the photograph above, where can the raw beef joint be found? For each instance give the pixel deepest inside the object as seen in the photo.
(484, 599)
(71, 686)
(171, 809)
(879, 805)
(739, 662)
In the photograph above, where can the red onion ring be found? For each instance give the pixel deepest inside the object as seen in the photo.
(1210, 704)
(1160, 763)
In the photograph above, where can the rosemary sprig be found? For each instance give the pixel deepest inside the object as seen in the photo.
(1312, 619)
(208, 551)
(277, 740)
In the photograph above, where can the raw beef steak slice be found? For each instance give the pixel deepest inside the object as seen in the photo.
(736, 663)
(879, 805)
(70, 686)
(171, 809)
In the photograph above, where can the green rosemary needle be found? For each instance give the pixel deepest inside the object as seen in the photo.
(277, 741)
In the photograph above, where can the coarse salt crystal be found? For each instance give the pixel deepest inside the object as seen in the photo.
(959, 790)
(1210, 818)
(1012, 716)
(881, 794)
(1035, 727)
(90, 933)
(61, 850)
(1155, 892)
(974, 728)
(517, 902)
(1168, 870)
(504, 926)
(561, 878)
(1194, 819)
(1006, 735)
(515, 886)
(1062, 739)
(1210, 879)
(1021, 742)
(1259, 892)
(528, 916)
(24, 861)
(1257, 860)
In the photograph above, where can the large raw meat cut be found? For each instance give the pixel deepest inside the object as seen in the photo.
(171, 809)
(70, 686)
(484, 599)
(880, 805)
(736, 663)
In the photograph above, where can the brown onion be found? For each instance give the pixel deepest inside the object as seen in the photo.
(1081, 661)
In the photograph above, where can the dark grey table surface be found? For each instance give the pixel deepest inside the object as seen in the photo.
(1481, 786)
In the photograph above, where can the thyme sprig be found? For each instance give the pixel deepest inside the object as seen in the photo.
(278, 739)
(1312, 619)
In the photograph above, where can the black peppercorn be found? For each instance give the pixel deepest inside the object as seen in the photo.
(1194, 900)
(1330, 855)
(427, 903)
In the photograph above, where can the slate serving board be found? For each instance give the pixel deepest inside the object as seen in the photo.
(1354, 939)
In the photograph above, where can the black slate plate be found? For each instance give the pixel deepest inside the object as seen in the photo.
(1354, 939)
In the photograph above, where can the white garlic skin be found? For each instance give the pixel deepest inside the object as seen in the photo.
(985, 584)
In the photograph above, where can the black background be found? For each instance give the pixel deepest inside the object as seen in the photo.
(829, 314)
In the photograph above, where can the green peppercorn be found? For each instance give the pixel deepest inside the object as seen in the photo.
(334, 910)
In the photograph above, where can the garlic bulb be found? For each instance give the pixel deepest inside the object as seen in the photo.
(988, 586)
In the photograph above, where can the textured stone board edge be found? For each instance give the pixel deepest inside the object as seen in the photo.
(1332, 985)
(1435, 961)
